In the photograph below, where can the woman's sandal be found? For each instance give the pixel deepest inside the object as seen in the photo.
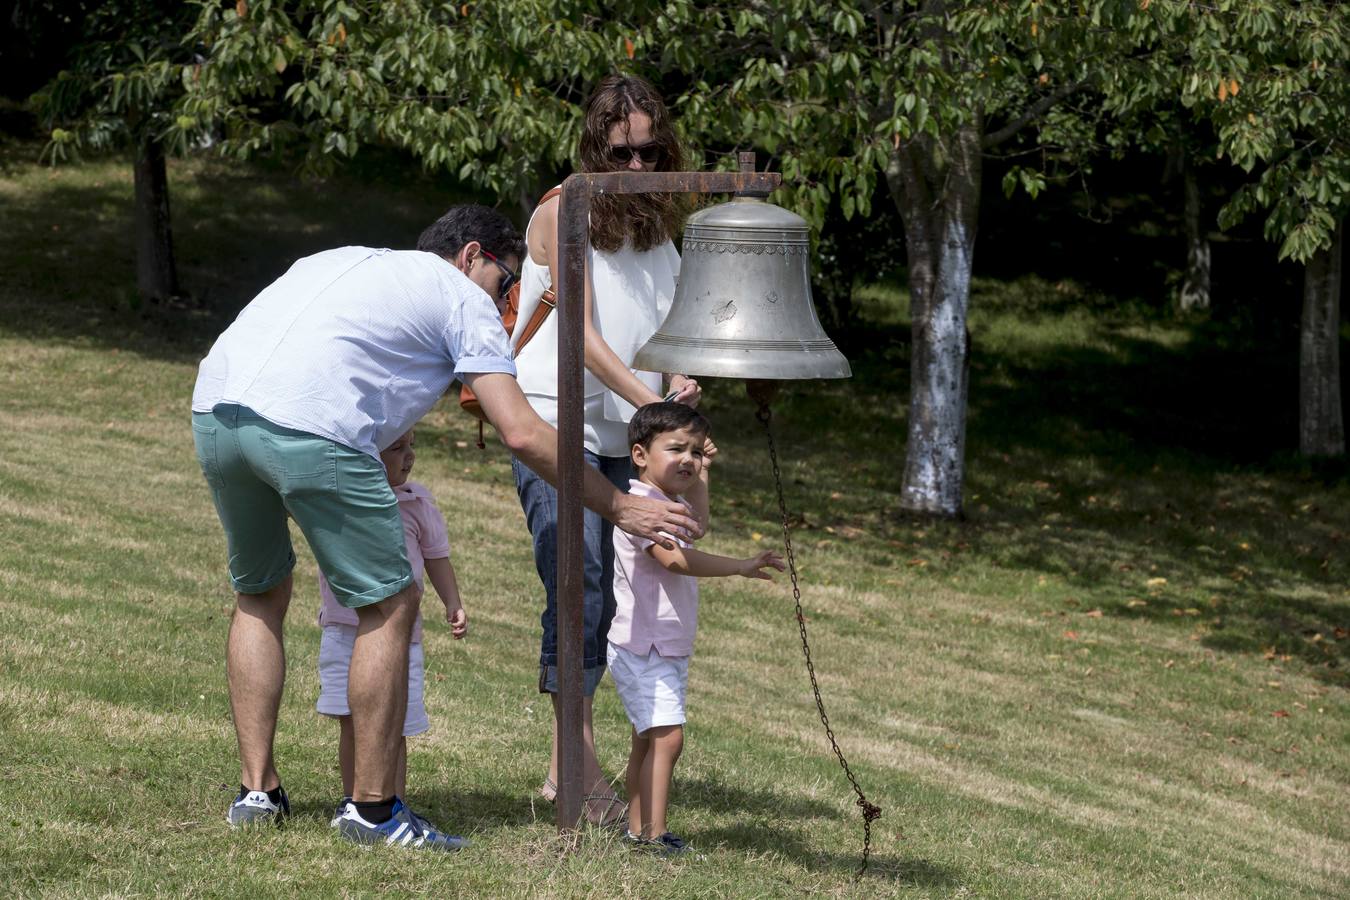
(613, 815)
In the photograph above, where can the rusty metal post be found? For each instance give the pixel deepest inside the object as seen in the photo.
(573, 217)
(574, 206)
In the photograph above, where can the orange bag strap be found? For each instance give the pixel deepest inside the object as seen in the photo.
(547, 303)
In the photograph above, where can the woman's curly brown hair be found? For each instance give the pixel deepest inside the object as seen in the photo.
(644, 220)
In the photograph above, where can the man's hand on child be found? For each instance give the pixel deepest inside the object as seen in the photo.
(754, 566)
(459, 622)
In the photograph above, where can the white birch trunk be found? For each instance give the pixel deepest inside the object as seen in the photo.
(937, 190)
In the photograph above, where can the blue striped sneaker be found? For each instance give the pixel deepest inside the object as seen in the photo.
(252, 807)
(404, 829)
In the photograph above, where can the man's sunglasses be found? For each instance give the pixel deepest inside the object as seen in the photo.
(648, 153)
(508, 277)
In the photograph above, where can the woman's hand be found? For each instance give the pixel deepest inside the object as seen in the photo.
(687, 390)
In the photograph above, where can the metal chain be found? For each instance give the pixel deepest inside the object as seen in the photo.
(870, 811)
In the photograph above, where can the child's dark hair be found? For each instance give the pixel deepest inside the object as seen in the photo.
(656, 418)
(470, 222)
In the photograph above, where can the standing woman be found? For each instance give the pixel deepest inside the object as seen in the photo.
(631, 267)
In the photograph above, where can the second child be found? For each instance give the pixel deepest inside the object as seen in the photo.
(428, 547)
(656, 591)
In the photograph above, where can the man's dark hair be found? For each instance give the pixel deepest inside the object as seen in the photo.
(657, 418)
(471, 222)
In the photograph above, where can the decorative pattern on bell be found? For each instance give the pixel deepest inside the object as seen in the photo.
(743, 307)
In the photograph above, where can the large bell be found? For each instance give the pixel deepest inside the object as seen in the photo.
(743, 307)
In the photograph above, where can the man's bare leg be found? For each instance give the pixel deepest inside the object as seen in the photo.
(377, 692)
(255, 665)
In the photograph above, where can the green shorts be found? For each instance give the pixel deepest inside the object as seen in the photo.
(341, 499)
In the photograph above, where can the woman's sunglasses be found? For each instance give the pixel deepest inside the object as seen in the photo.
(648, 153)
(508, 277)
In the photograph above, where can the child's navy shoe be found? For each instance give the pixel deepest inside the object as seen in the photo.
(670, 845)
(404, 829)
(253, 807)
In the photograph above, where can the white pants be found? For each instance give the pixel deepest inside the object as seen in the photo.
(335, 658)
(651, 687)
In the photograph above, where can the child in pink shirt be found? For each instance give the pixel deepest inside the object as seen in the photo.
(428, 548)
(656, 593)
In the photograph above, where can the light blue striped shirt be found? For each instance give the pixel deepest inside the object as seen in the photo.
(355, 345)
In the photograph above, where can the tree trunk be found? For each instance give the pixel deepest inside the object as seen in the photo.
(1195, 289)
(1321, 425)
(156, 274)
(936, 187)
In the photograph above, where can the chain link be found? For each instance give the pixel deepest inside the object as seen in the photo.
(870, 811)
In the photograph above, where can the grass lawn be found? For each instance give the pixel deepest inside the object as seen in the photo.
(1124, 676)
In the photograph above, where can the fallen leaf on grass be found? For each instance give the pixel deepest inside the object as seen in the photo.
(1156, 583)
(1094, 613)
(1169, 664)
(1135, 603)
(1280, 714)
(1071, 635)
(916, 562)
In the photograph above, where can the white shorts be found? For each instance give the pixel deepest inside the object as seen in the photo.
(335, 658)
(651, 687)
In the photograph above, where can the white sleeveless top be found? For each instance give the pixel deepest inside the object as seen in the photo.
(631, 293)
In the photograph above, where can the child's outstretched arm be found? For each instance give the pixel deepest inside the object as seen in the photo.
(442, 577)
(689, 561)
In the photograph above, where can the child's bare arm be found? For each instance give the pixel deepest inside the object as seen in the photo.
(442, 577)
(688, 561)
(697, 496)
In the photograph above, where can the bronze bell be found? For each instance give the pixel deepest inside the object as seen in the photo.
(742, 308)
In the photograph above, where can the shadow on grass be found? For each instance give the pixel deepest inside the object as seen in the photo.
(763, 837)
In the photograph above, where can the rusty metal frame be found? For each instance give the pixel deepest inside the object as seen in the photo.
(573, 239)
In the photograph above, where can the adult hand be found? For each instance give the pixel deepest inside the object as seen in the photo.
(655, 520)
(687, 390)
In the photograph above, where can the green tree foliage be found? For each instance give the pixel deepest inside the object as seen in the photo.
(1272, 77)
(843, 97)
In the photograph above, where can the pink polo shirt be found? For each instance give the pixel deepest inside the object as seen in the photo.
(655, 607)
(424, 531)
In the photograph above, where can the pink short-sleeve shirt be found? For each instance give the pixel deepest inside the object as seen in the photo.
(655, 608)
(426, 537)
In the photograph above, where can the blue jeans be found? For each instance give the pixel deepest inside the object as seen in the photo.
(540, 502)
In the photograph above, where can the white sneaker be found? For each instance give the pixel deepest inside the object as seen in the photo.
(251, 807)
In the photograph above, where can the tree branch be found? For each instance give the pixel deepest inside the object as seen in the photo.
(1033, 112)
